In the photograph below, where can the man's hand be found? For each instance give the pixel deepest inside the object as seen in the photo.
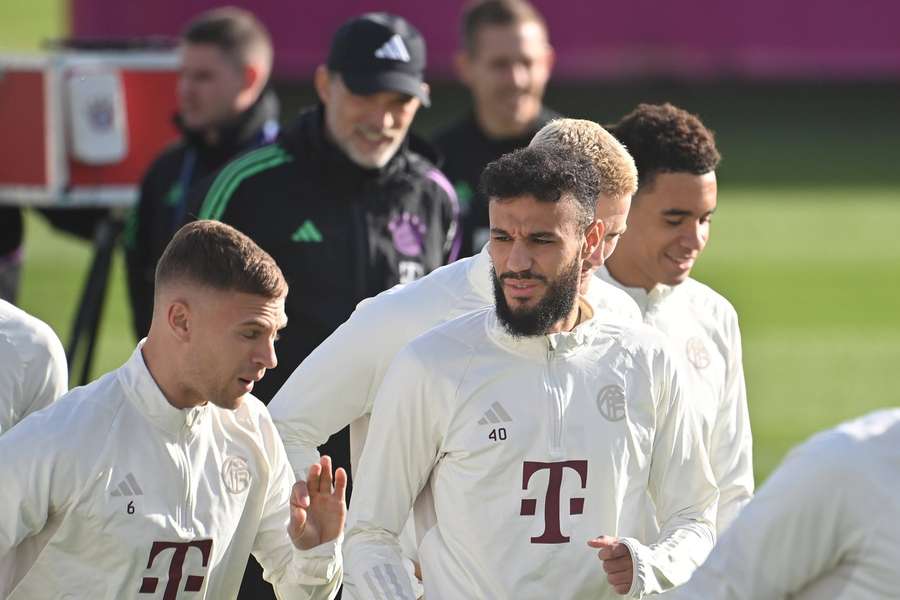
(617, 562)
(318, 508)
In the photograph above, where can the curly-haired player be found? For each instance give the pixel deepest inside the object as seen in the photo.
(668, 228)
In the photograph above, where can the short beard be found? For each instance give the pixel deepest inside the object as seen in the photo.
(555, 306)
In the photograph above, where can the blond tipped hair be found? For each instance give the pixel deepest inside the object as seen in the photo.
(618, 174)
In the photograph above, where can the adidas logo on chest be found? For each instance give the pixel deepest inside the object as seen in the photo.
(308, 233)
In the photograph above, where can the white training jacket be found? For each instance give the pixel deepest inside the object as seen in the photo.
(523, 450)
(336, 384)
(825, 525)
(33, 370)
(704, 336)
(111, 493)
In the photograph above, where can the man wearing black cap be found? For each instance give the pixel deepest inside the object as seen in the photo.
(346, 201)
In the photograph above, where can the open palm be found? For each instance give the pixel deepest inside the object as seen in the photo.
(318, 508)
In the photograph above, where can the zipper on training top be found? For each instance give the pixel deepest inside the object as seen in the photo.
(556, 442)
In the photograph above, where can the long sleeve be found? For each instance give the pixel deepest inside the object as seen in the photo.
(797, 527)
(39, 478)
(731, 446)
(46, 373)
(313, 574)
(331, 388)
(683, 490)
(403, 447)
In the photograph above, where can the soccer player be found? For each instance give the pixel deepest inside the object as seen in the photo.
(826, 524)
(33, 370)
(668, 228)
(163, 476)
(533, 428)
(505, 61)
(313, 404)
(224, 109)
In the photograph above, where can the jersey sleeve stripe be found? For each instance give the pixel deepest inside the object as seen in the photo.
(217, 199)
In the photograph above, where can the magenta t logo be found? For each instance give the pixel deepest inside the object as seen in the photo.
(194, 582)
(552, 533)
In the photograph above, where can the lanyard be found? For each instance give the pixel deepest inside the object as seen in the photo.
(267, 134)
(184, 180)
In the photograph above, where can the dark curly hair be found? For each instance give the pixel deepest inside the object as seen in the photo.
(548, 174)
(663, 138)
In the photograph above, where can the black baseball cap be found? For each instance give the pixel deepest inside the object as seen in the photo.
(378, 52)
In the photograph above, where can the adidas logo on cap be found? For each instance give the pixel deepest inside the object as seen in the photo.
(393, 49)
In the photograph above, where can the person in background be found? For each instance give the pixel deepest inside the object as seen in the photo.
(505, 61)
(224, 109)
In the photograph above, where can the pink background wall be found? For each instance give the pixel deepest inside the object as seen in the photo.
(832, 39)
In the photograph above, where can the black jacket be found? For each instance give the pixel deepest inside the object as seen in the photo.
(339, 232)
(466, 150)
(161, 210)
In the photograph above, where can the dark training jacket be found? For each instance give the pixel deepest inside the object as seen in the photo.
(339, 232)
(161, 207)
(466, 150)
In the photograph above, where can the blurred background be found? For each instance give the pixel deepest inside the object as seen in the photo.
(804, 98)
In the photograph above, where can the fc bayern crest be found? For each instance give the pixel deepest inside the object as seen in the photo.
(611, 403)
(697, 353)
(236, 474)
(100, 114)
(408, 234)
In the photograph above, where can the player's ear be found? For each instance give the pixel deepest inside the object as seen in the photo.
(252, 75)
(178, 320)
(593, 238)
(322, 82)
(463, 66)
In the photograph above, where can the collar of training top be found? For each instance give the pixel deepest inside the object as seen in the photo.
(644, 299)
(539, 347)
(145, 394)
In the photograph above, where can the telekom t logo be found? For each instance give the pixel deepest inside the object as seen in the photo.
(552, 533)
(194, 582)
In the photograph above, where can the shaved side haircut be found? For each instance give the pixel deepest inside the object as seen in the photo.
(235, 31)
(215, 255)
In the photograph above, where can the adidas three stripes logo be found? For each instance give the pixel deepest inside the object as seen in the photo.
(495, 414)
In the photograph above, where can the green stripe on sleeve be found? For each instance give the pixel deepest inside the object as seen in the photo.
(214, 206)
(234, 173)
